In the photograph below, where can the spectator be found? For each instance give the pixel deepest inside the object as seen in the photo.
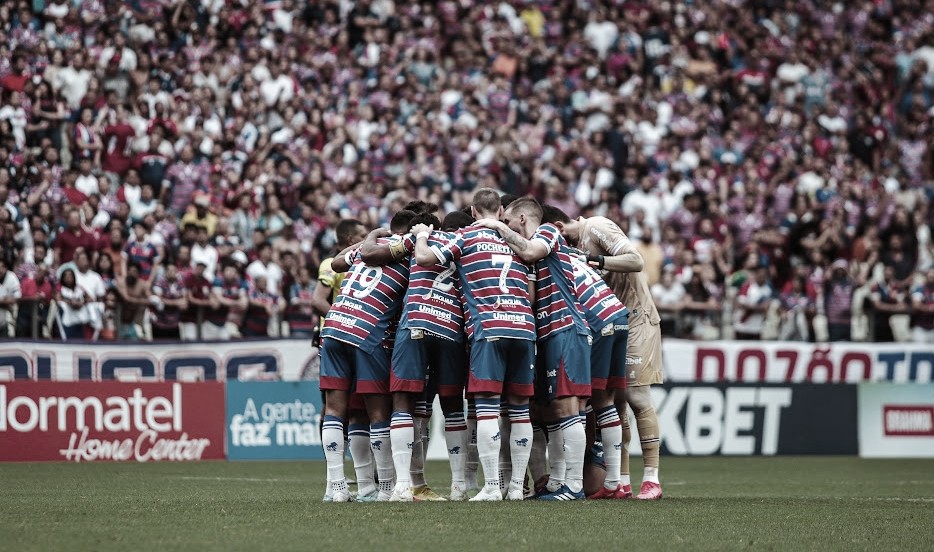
(75, 315)
(168, 301)
(752, 304)
(669, 297)
(198, 299)
(888, 297)
(264, 267)
(262, 314)
(837, 299)
(37, 292)
(300, 313)
(922, 302)
(10, 294)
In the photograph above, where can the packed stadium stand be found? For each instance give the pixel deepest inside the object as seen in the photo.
(772, 159)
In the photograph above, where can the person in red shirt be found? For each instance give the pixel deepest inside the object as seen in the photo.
(71, 238)
(36, 294)
(118, 143)
(16, 80)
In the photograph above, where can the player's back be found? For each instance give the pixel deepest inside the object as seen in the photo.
(556, 304)
(433, 301)
(598, 301)
(495, 284)
(370, 299)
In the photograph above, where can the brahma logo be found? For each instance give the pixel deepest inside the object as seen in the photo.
(109, 421)
(908, 421)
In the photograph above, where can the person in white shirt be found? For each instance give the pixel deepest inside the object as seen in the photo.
(203, 252)
(265, 268)
(601, 33)
(278, 87)
(74, 80)
(752, 304)
(9, 294)
(93, 285)
(86, 182)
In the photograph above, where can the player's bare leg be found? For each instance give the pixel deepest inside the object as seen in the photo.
(639, 399)
(610, 425)
(332, 434)
(625, 480)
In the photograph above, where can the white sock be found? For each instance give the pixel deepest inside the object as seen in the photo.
(470, 466)
(402, 437)
(538, 463)
(624, 480)
(382, 452)
(358, 437)
(456, 439)
(332, 438)
(520, 442)
(505, 454)
(611, 433)
(556, 463)
(575, 443)
(488, 439)
(417, 467)
(650, 474)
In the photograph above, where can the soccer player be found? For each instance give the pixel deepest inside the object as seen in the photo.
(349, 232)
(501, 332)
(609, 249)
(608, 319)
(429, 342)
(355, 355)
(563, 340)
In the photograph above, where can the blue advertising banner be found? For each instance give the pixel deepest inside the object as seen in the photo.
(273, 420)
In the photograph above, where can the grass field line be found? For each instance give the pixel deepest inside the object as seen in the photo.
(246, 479)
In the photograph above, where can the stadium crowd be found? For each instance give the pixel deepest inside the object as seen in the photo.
(177, 168)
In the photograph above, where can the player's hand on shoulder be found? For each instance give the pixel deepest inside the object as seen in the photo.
(489, 223)
(420, 228)
(380, 233)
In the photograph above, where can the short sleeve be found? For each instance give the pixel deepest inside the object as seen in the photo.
(548, 235)
(612, 240)
(448, 251)
(326, 274)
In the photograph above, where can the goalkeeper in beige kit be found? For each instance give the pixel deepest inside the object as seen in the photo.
(609, 249)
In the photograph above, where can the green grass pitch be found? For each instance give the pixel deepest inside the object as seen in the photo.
(789, 503)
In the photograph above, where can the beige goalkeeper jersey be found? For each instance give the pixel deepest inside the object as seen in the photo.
(601, 236)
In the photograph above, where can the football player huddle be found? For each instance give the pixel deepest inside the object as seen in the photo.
(519, 309)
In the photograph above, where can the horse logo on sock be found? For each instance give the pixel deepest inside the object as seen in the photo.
(411, 445)
(455, 450)
(376, 444)
(524, 442)
(618, 446)
(331, 447)
(496, 437)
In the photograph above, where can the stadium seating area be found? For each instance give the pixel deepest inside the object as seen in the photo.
(772, 159)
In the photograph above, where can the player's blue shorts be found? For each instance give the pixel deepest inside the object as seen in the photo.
(417, 354)
(563, 366)
(502, 366)
(608, 354)
(346, 367)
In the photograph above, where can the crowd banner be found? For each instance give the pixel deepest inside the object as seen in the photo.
(794, 362)
(270, 359)
(94, 421)
(896, 420)
(273, 420)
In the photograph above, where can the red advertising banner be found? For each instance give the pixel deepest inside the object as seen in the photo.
(85, 421)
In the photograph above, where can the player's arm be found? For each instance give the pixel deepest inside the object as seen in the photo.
(374, 253)
(529, 251)
(424, 254)
(625, 262)
(343, 260)
(619, 254)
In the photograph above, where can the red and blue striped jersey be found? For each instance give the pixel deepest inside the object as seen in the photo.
(370, 298)
(600, 304)
(143, 254)
(494, 282)
(434, 302)
(556, 304)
